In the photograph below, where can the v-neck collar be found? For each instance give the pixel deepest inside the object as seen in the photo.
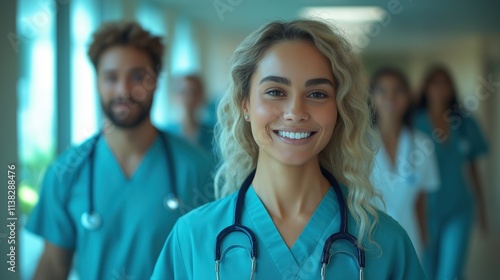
(141, 167)
(291, 261)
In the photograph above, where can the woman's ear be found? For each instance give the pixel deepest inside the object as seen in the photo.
(244, 106)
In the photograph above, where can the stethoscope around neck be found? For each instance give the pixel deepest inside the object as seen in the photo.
(325, 256)
(92, 220)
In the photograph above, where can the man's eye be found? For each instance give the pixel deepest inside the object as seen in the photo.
(111, 79)
(137, 77)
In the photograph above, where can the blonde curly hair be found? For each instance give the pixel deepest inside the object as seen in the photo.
(348, 155)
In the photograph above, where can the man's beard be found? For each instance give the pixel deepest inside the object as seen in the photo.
(123, 119)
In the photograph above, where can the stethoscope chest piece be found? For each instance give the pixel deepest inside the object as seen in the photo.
(171, 202)
(91, 221)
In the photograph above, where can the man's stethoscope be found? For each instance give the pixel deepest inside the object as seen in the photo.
(91, 220)
(325, 256)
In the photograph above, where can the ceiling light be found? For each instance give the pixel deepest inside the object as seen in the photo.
(345, 14)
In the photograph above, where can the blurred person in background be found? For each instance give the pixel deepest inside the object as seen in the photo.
(113, 200)
(405, 166)
(190, 96)
(459, 143)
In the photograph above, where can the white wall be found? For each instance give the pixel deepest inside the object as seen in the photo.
(492, 118)
(470, 60)
(216, 52)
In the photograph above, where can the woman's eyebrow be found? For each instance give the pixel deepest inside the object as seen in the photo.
(277, 79)
(319, 81)
(287, 82)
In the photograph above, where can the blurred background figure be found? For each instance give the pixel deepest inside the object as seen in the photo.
(459, 143)
(189, 94)
(405, 166)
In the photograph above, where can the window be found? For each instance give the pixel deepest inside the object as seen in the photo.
(36, 111)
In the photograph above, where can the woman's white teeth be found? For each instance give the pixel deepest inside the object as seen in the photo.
(294, 135)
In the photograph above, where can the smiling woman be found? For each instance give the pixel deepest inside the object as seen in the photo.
(289, 97)
(294, 138)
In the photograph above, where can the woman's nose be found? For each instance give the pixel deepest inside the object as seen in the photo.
(296, 110)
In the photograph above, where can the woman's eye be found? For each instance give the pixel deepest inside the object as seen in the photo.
(317, 94)
(275, 93)
(401, 91)
(378, 90)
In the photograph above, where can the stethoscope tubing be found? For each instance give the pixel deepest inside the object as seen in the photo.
(91, 220)
(325, 256)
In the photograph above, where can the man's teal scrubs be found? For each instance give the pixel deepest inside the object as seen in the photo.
(135, 222)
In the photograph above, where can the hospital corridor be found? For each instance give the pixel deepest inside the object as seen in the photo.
(250, 139)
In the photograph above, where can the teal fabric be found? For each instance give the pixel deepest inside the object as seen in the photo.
(450, 209)
(135, 221)
(189, 250)
(204, 139)
(445, 255)
(465, 143)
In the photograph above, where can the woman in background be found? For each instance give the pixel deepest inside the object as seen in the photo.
(459, 142)
(405, 166)
(295, 118)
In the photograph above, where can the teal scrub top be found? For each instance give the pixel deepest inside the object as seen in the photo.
(189, 250)
(464, 144)
(204, 138)
(135, 222)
